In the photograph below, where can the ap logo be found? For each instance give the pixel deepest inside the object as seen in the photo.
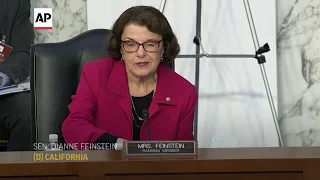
(42, 18)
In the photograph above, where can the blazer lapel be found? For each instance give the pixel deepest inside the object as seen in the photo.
(118, 84)
(164, 95)
(125, 104)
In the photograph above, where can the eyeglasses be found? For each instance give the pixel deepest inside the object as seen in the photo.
(133, 46)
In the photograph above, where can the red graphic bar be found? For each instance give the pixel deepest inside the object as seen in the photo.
(42, 28)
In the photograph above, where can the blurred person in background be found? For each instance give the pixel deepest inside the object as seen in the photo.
(16, 31)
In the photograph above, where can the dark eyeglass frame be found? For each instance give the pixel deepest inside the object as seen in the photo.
(141, 44)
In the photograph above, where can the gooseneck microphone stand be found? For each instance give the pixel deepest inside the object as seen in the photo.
(259, 51)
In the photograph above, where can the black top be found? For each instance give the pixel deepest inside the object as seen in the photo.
(139, 104)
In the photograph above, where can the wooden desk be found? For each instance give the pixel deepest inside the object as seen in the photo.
(217, 164)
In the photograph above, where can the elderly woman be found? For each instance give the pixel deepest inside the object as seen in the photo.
(113, 92)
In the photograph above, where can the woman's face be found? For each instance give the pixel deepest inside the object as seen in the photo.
(141, 60)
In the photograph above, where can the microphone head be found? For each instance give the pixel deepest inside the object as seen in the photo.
(145, 114)
(265, 48)
(196, 40)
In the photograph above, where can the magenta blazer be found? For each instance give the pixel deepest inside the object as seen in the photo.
(102, 105)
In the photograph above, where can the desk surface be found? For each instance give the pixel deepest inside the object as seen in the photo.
(203, 154)
(208, 160)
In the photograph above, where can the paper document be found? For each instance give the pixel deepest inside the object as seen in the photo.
(23, 86)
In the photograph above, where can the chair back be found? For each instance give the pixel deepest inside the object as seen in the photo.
(54, 75)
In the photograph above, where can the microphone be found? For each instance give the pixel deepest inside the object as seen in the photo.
(265, 48)
(197, 41)
(145, 116)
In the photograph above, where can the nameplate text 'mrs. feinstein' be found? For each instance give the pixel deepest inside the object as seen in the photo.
(160, 148)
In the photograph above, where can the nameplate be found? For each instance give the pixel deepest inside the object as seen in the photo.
(161, 148)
